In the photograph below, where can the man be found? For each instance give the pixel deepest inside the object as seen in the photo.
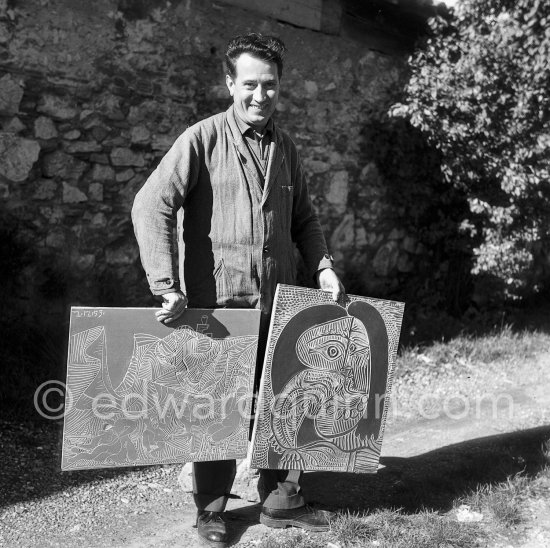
(238, 179)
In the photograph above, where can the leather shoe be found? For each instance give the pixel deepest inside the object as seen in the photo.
(304, 517)
(212, 529)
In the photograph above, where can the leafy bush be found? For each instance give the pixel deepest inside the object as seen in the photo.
(479, 92)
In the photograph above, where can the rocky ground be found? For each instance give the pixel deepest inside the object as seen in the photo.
(435, 448)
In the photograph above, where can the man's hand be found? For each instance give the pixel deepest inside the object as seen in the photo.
(172, 308)
(327, 280)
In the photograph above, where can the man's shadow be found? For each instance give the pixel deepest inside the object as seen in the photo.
(430, 481)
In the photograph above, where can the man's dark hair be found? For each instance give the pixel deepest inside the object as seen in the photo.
(267, 48)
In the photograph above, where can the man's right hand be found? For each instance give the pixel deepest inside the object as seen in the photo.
(172, 308)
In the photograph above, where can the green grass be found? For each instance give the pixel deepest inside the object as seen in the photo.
(504, 346)
(497, 480)
(392, 529)
(502, 502)
(467, 368)
(294, 539)
(351, 528)
(503, 506)
(384, 529)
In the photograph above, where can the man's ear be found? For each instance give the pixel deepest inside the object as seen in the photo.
(230, 84)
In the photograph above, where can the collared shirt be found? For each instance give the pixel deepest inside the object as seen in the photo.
(257, 143)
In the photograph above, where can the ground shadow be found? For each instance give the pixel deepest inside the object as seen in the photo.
(432, 480)
(30, 452)
(240, 519)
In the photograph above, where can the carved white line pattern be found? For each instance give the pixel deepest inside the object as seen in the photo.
(333, 368)
(145, 424)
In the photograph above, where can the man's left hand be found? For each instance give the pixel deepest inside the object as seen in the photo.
(327, 280)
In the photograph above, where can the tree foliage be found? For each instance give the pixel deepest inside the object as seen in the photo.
(480, 92)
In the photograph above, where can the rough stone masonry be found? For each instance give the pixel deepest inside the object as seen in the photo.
(93, 95)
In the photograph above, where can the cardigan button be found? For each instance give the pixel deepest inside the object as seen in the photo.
(266, 249)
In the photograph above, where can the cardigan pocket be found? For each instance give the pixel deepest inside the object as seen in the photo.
(285, 202)
(224, 287)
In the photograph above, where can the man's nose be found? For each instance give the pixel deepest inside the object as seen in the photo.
(259, 94)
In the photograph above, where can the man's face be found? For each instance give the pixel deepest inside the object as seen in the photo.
(255, 89)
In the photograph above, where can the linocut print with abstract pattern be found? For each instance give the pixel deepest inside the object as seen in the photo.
(141, 393)
(327, 374)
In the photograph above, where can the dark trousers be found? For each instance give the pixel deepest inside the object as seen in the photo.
(212, 482)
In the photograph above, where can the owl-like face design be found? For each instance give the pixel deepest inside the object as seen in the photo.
(338, 345)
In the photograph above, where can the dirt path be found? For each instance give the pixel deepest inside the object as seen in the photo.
(426, 462)
(467, 429)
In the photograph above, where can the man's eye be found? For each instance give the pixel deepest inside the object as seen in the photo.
(328, 348)
(332, 351)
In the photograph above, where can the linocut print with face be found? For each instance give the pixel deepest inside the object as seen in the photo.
(325, 383)
(139, 392)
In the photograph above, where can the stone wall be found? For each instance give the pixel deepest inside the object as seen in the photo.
(92, 94)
